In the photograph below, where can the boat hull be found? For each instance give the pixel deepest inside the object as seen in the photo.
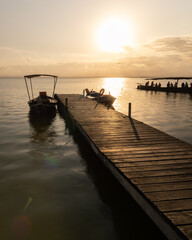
(107, 100)
(100, 97)
(42, 107)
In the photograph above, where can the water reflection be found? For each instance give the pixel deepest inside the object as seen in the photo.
(43, 137)
(113, 85)
(40, 126)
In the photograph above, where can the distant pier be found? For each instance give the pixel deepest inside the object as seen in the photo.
(154, 167)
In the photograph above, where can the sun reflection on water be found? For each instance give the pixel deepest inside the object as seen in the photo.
(113, 86)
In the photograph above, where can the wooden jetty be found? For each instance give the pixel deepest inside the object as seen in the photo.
(154, 167)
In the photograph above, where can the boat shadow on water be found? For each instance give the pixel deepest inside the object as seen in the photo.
(40, 126)
(41, 122)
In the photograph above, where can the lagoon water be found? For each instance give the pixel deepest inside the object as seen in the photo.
(52, 187)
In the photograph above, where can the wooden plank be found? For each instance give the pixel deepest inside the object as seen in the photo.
(139, 145)
(169, 172)
(180, 218)
(187, 230)
(146, 148)
(174, 205)
(130, 162)
(170, 195)
(154, 167)
(124, 161)
(156, 187)
(148, 153)
(162, 179)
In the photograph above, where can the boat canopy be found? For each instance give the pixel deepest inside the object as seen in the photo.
(28, 80)
(40, 75)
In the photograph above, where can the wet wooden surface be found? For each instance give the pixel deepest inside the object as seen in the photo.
(157, 164)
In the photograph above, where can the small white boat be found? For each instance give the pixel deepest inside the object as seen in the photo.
(42, 103)
(94, 94)
(100, 97)
(106, 99)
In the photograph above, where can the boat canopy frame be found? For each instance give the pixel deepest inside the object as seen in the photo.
(26, 77)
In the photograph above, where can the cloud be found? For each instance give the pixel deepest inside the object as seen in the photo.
(169, 56)
(173, 44)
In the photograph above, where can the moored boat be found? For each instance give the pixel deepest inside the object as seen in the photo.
(185, 88)
(100, 97)
(42, 103)
(106, 99)
(94, 94)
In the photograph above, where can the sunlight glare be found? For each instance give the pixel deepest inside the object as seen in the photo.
(113, 85)
(114, 35)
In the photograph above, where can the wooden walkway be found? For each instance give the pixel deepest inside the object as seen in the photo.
(154, 167)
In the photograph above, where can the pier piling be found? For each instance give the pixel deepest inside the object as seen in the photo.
(66, 102)
(129, 110)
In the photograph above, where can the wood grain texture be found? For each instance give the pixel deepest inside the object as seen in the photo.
(158, 165)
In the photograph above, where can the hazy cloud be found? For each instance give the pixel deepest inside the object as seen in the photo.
(169, 56)
(173, 44)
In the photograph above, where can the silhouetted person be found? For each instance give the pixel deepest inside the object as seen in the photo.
(152, 84)
(147, 84)
(191, 85)
(159, 85)
(168, 84)
(171, 84)
(182, 85)
(186, 85)
(175, 85)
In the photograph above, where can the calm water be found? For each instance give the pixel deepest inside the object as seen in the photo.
(52, 186)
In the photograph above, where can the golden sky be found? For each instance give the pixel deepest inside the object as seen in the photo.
(96, 38)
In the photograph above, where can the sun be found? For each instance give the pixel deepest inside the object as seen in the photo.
(114, 34)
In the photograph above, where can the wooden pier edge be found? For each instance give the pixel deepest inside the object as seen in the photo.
(161, 221)
(164, 226)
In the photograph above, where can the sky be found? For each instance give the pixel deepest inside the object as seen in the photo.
(96, 38)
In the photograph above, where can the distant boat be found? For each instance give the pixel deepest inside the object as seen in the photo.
(170, 87)
(100, 97)
(42, 103)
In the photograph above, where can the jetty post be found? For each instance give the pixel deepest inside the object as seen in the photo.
(66, 102)
(129, 110)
